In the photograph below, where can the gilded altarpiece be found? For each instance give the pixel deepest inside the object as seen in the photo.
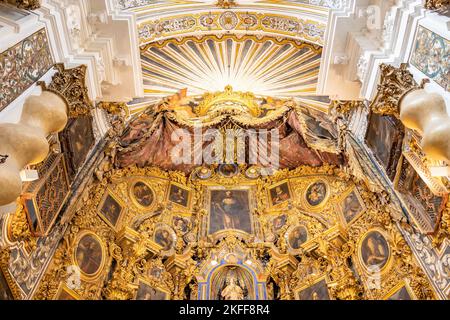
(308, 233)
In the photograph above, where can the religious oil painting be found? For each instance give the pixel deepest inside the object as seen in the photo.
(384, 137)
(318, 291)
(296, 237)
(316, 193)
(280, 193)
(351, 207)
(165, 237)
(279, 222)
(143, 194)
(228, 170)
(179, 195)
(147, 292)
(181, 224)
(230, 209)
(89, 255)
(77, 140)
(110, 210)
(374, 250)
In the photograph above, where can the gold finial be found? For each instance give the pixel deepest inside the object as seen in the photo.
(226, 4)
(228, 101)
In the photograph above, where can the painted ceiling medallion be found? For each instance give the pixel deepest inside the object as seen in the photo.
(264, 66)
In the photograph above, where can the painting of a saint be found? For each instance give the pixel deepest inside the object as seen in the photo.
(111, 210)
(228, 170)
(89, 255)
(316, 193)
(146, 292)
(297, 237)
(164, 238)
(181, 224)
(279, 222)
(280, 194)
(178, 195)
(401, 294)
(318, 291)
(375, 250)
(143, 194)
(351, 207)
(230, 209)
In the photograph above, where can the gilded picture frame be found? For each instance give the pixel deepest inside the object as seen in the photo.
(135, 201)
(317, 281)
(109, 193)
(323, 202)
(388, 261)
(342, 207)
(281, 202)
(94, 276)
(170, 235)
(170, 195)
(289, 235)
(223, 232)
(64, 289)
(404, 284)
(147, 283)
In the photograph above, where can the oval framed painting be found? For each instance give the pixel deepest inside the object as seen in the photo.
(89, 255)
(166, 238)
(374, 251)
(316, 195)
(142, 195)
(295, 237)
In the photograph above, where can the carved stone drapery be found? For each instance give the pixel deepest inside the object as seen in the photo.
(395, 83)
(71, 85)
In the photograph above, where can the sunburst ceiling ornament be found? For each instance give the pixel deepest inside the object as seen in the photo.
(265, 67)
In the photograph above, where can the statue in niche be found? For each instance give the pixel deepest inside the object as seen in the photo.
(232, 291)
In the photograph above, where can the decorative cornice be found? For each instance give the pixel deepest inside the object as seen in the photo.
(70, 84)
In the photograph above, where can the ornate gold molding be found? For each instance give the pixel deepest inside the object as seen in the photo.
(436, 4)
(4, 264)
(344, 107)
(26, 4)
(394, 84)
(114, 108)
(226, 4)
(70, 84)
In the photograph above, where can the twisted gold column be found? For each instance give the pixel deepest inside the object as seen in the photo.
(25, 143)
